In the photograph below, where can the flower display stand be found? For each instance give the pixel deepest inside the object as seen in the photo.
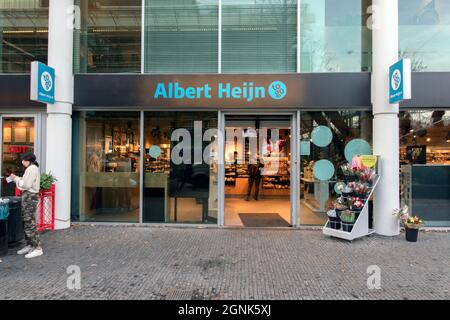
(361, 225)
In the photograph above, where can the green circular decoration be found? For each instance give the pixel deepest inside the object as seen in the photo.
(357, 147)
(321, 136)
(155, 152)
(323, 170)
(338, 186)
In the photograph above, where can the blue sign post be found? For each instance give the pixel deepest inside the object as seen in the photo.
(42, 83)
(400, 81)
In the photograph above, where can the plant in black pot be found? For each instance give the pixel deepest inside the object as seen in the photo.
(412, 224)
(350, 174)
(340, 204)
(347, 220)
(357, 204)
(334, 220)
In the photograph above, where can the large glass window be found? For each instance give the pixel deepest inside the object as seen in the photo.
(181, 36)
(180, 181)
(331, 137)
(106, 166)
(334, 36)
(259, 36)
(425, 164)
(23, 34)
(109, 38)
(425, 33)
(18, 138)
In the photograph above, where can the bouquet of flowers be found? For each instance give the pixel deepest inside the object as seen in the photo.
(357, 204)
(359, 189)
(367, 175)
(411, 222)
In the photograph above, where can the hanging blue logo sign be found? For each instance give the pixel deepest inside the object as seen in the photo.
(400, 81)
(42, 83)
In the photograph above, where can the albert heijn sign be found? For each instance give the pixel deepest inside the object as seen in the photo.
(42, 86)
(199, 91)
(400, 81)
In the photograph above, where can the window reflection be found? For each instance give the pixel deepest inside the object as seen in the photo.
(334, 36)
(23, 34)
(109, 154)
(424, 32)
(180, 182)
(109, 40)
(18, 138)
(425, 164)
(339, 128)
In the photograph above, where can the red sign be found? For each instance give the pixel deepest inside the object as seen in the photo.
(18, 149)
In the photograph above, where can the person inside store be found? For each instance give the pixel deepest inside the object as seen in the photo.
(254, 178)
(29, 184)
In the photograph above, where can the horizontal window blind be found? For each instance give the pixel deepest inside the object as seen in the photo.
(181, 36)
(259, 36)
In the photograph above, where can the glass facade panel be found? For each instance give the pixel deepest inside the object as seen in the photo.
(109, 38)
(23, 34)
(180, 180)
(181, 36)
(259, 36)
(424, 33)
(18, 138)
(425, 164)
(339, 129)
(334, 36)
(106, 166)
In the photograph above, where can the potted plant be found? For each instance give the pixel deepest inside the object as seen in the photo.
(367, 175)
(412, 224)
(334, 221)
(47, 179)
(347, 220)
(360, 190)
(350, 173)
(340, 204)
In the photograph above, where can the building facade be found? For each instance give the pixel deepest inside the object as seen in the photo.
(162, 106)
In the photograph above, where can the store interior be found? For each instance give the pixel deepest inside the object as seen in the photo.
(257, 171)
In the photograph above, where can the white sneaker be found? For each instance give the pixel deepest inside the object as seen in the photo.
(24, 250)
(34, 253)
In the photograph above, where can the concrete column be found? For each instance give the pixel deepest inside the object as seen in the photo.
(386, 123)
(59, 119)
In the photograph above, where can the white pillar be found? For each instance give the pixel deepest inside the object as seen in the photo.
(59, 120)
(386, 123)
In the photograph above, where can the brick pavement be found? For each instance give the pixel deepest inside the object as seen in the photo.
(207, 263)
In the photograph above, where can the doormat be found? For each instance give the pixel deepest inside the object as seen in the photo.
(263, 220)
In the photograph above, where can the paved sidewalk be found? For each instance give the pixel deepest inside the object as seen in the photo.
(171, 263)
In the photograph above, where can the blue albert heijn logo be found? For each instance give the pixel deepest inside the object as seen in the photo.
(42, 83)
(400, 81)
(277, 90)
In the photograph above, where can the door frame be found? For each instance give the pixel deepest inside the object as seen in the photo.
(294, 168)
(38, 134)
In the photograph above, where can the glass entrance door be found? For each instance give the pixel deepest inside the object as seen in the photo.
(257, 171)
(18, 137)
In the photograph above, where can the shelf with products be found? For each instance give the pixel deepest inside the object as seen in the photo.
(160, 164)
(278, 182)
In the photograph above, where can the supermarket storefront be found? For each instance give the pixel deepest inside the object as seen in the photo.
(180, 148)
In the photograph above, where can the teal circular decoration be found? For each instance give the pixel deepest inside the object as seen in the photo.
(155, 152)
(323, 170)
(357, 147)
(321, 136)
(338, 187)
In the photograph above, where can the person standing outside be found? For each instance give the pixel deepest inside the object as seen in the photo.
(29, 184)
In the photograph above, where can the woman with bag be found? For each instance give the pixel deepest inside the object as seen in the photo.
(29, 184)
